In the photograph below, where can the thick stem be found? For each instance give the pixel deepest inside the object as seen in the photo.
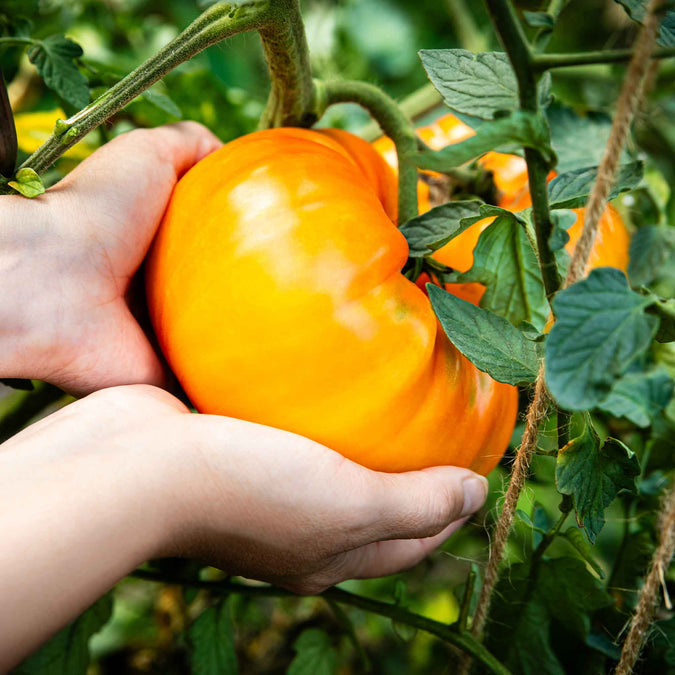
(394, 124)
(515, 44)
(391, 611)
(549, 61)
(220, 21)
(291, 101)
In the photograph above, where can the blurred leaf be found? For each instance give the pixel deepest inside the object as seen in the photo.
(489, 341)
(539, 20)
(314, 654)
(639, 396)
(211, 640)
(576, 538)
(570, 190)
(651, 249)
(433, 229)
(665, 311)
(517, 129)
(162, 101)
(562, 220)
(27, 183)
(506, 264)
(600, 329)
(637, 9)
(67, 653)
(480, 85)
(54, 57)
(593, 475)
(525, 607)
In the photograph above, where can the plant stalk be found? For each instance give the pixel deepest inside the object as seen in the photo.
(394, 124)
(462, 640)
(544, 62)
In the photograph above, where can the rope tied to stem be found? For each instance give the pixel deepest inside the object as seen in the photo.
(627, 104)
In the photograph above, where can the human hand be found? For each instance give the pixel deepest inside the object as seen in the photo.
(71, 255)
(127, 474)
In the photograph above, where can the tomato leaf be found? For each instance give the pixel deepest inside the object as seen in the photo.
(562, 220)
(67, 653)
(506, 264)
(512, 131)
(481, 85)
(27, 183)
(593, 474)
(314, 654)
(539, 20)
(600, 329)
(639, 396)
(578, 141)
(162, 101)
(638, 8)
(490, 342)
(54, 57)
(211, 641)
(570, 190)
(665, 311)
(521, 629)
(575, 538)
(652, 252)
(433, 229)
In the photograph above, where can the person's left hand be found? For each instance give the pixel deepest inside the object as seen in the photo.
(69, 256)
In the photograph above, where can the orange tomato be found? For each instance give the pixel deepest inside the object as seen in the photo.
(510, 176)
(275, 289)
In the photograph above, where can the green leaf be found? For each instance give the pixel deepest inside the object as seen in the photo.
(576, 539)
(211, 640)
(481, 85)
(562, 220)
(593, 476)
(578, 141)
(54, 57)
(162, 101)
(506, 264)
(600, 329)
(435, 228)
(515, 130)
(67, 653)
(639, 396)
(652, 250)
(539, 20)
(665, 311)
(570, 190)
(525, 606)
(489, 341)
(314, 654)
(638, 8)
(27, 183)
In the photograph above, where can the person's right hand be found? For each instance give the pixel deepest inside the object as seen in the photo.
(128, 474)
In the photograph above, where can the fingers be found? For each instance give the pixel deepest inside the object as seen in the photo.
(417, 504)
(166, 152)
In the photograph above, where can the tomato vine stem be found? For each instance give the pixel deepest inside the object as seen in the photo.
(394, 123)
(550, 61)
(445, 632)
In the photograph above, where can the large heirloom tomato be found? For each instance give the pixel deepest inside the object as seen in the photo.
(275, 290)
(510, 178)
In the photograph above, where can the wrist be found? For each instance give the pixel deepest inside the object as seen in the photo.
(27, 336)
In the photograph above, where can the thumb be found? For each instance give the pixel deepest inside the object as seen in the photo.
(420, 504)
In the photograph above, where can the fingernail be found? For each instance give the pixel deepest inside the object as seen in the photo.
(475, 492)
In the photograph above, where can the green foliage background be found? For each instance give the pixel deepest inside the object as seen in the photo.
(539, 628)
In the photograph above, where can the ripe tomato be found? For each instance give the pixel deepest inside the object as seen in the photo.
(275, 289)
(510, 177)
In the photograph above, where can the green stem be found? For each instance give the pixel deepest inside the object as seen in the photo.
(469, 35)
(518, 50)
(220, 21)
(16, 41)
(464, 641)
(547, 540)
(394, 124)
(291, 101)
(543, 62)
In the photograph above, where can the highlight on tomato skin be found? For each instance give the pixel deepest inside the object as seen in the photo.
(275, 290)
